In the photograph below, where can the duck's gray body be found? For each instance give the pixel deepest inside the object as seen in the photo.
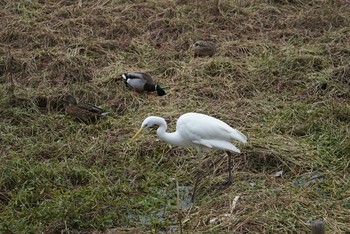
(141, 81)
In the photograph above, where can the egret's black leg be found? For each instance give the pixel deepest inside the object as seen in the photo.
(195, 188)
(230, 179)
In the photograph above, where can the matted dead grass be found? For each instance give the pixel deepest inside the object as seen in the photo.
(280, 75)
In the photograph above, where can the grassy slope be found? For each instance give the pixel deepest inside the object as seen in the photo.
(282, 76)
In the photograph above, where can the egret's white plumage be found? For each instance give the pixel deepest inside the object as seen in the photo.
(198, 131)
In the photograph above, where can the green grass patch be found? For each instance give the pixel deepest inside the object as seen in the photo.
(280, 75)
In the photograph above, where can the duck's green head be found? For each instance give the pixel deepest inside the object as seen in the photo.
(160, 91)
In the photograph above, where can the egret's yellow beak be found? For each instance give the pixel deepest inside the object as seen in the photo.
(137, 134)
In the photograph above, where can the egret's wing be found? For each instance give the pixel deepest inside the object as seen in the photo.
(196, 127)
(237, 135)
(217, 138)
(218, 145)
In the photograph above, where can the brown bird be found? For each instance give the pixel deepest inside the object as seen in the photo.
(204, 48)
(318, 227)
(86, 113)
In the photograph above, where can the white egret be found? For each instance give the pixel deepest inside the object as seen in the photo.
(198, 131)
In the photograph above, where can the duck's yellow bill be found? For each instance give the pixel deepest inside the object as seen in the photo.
(136, 135)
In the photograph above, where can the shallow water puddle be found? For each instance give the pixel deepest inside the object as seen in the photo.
(165, 217)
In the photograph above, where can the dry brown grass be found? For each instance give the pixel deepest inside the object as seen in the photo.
(280, 75)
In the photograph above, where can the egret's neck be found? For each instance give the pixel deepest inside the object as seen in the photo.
(172, 138)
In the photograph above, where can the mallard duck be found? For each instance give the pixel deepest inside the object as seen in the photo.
(86, 113)
(141, 81)
(204, 48)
